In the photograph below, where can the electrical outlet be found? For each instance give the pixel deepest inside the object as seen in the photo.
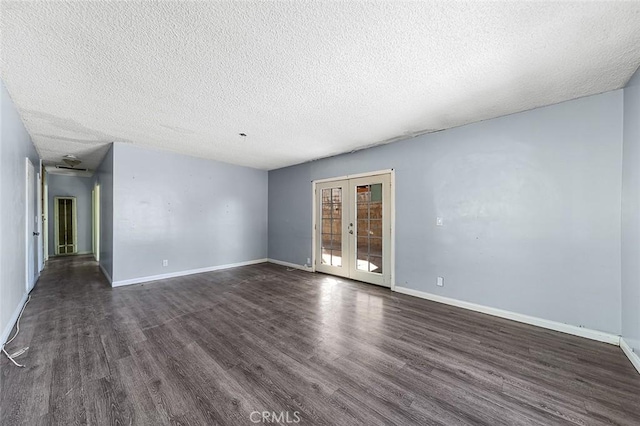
(308, 261)
(439, 221)
(165, 263)
(440, 282)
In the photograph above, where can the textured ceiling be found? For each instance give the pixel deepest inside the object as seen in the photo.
(303, 80)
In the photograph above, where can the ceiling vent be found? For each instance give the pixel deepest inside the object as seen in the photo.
(62, 166)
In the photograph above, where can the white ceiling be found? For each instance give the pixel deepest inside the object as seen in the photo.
(303, 80)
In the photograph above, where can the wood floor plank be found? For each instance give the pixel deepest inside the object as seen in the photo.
(66, 402)
(143, 410)
(214, 348)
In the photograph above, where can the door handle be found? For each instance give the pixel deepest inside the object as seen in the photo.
(35, 234)
(351, 231)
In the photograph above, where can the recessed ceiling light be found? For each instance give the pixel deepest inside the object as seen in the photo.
(242, 134)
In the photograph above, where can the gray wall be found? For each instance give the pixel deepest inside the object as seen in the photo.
(72, 186)
(104, 177)
(631, 215)
(15, 146)
(531, 207)
(193, 212)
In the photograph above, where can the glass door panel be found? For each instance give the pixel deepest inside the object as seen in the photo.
(369, 227)
(371, 218)
(331, 219)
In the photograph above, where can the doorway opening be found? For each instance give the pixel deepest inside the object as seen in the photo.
(353, 227)
(65, 225)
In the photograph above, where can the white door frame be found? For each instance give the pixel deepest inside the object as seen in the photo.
(74, 220)
(392, 177)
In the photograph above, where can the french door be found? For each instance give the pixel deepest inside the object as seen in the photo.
(65, 220)
(353, 228)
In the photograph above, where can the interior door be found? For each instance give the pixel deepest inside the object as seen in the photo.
(39, 242)
(31, 228)
(353, 228)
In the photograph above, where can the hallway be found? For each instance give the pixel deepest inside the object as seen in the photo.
(213, 348)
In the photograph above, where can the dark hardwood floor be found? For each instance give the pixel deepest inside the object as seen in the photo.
(213, 348)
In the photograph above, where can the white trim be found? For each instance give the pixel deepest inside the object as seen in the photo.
(628, 351)
(357, 175)
(183, 273)
(106, 274)
(290, 265)
(600, 336)
(12, 320)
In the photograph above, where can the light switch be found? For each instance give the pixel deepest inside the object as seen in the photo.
(439, 221)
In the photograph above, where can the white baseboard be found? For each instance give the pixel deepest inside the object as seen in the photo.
(12, 321)
(600, 336)
(183, 273)
(291, 265)
(628, 351)
(106, 274)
